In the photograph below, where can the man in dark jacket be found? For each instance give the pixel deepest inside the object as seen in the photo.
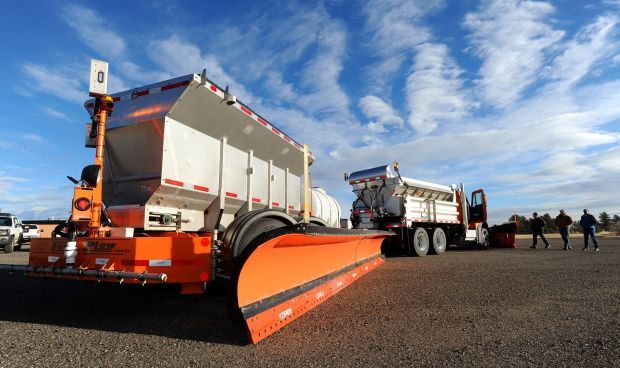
(538, 229)
(588, 223)
(563, 222)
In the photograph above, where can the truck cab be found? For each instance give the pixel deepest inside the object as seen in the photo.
(11, 232)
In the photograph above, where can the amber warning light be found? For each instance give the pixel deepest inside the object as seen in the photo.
(82, 204)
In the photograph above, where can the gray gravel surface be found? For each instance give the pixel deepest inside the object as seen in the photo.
(501, 307)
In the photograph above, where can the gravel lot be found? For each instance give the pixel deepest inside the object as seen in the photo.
(501, 307)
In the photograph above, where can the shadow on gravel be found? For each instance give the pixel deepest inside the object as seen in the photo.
(151, 310)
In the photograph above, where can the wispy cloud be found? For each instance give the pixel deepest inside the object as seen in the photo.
(54, 82)
(590, 45)
(434, 89)
(177, 56)
(55, 113)
(512, 38)
(395, 28)
(93, 31)
(323, 94)
(32, 137)
(90, 26)
(380, 113)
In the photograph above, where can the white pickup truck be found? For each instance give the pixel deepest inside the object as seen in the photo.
(11, 232)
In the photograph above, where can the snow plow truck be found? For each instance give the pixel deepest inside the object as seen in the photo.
(191, 186)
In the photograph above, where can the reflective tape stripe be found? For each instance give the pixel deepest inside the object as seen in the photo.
(160, 262)
(175, 85)
(173, 182)
(246, 110)
(201, 188)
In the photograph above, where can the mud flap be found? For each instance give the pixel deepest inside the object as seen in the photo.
(287, 272)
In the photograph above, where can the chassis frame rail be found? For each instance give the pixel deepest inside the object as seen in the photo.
(99, 274)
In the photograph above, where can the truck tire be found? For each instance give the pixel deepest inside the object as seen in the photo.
(439, 242)
(485, 239)
(420, 242)
(247, 227)
(8, 248)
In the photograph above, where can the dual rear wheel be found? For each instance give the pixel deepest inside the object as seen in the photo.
(422, 243)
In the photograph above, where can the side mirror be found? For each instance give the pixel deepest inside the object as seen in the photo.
(90, 175)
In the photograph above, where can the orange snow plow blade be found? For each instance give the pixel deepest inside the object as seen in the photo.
(286, 273)
(503, 236)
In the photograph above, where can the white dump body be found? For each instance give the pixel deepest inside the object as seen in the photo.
(176, 149)
(383, 194)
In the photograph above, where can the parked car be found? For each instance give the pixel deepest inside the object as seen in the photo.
(11, 232)
(31, 231)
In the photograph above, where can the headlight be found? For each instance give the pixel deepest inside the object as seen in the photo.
(4, 232)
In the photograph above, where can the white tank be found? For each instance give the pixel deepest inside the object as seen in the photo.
(325, 207)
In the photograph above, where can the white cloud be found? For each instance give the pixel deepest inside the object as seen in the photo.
(32, 137)
(55, 82)
(178, 57)
(265, 44)
(55, 113)
(279, 88)
(96, 32)
(323, 93)
(612, 2)
(434, 89)
(395, 28)
(134, 72)
(93, 31)
(395, 24)
(379, 112)
(590, 45)
(512, 37)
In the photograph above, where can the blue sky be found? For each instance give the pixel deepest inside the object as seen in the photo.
(521, 98)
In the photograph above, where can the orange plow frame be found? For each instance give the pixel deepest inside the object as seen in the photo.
(182, 258)
(278, 277)
(285, 276)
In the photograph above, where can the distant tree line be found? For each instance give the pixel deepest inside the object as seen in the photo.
(606, 222)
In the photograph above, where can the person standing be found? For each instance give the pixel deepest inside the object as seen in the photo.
(538, 229)
(563, 222)
(588, 223)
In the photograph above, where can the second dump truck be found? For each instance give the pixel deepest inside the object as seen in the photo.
(426, 217)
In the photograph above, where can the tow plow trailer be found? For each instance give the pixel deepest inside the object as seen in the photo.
(199, 188)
